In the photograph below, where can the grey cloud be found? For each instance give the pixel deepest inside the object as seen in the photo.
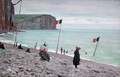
(77, 11)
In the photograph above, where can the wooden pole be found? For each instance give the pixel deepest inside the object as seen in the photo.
(16, 25)
(95, 48)
(15, 37)
(58, 39)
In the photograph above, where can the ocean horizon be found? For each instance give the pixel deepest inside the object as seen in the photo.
(107, 52)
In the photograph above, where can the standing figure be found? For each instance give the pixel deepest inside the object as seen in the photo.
(76, 58)
(61, 50)
(35, 46)
(64, 51)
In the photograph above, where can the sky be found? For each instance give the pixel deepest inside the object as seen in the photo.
(82, 14)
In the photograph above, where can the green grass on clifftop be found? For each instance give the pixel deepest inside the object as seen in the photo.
(24, 17)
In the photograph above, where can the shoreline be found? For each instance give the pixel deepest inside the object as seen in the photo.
(52, 51)
(20, 63)
(91, 60)
(6, 31)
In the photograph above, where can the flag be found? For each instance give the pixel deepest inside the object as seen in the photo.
(58, 21)
(96, 39)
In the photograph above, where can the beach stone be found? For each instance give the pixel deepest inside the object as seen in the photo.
(5, 74)
(28, 69)
(21, 68)
(32, 73)
(88, 66)
(101, 68)
(59, 75)
(6, 61)
(21, 74)
(95, 71)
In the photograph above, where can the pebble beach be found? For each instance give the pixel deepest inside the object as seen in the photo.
(18, 63)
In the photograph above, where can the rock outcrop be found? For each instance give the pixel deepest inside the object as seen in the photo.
(38, 23)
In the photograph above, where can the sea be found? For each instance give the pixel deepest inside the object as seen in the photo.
(107, 51)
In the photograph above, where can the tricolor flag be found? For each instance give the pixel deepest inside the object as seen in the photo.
(96, 39)
(58, 21)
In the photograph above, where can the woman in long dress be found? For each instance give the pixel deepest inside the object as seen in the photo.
(76, 59)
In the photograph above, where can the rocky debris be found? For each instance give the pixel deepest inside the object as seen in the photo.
(38, 23)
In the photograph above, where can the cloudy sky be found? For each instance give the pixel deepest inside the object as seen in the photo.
(83, 14)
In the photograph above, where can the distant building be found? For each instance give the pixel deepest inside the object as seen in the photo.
(6, 15)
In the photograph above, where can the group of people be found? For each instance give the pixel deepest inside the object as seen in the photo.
(63, 51)
(76, 58)
(45, 56)
(20, 47)
(43, 51)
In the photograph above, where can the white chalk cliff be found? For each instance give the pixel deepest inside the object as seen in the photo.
(38, 23)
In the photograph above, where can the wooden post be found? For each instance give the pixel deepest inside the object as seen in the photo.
(15, 37)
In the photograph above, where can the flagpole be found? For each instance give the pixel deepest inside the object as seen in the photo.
(58, 39)
(95, 48)
(16, 25)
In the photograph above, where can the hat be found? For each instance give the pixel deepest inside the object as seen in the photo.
(77, 47)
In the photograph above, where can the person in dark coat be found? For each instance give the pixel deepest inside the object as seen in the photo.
(76, 58)
(61, 50)
(28, 50)
(2, 45)
(20, 47)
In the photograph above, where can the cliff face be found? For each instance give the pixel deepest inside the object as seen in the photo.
(38, 23)
(6, 15)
